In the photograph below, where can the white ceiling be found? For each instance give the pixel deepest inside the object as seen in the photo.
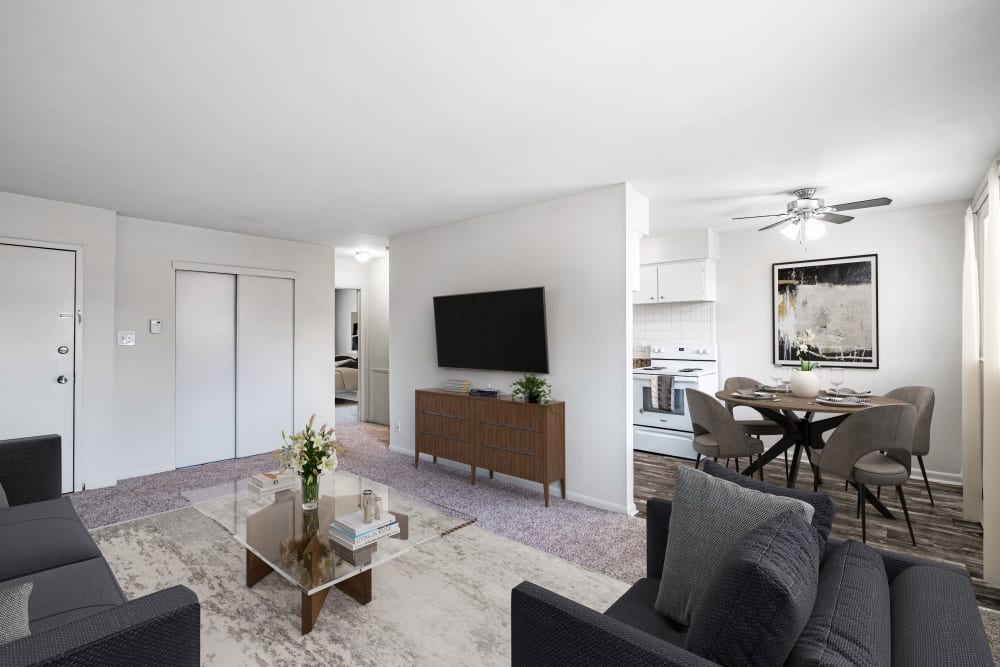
(326, 121)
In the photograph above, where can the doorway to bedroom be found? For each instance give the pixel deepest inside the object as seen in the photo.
(347, 351)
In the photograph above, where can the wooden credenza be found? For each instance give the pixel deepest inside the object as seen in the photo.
(525, 440)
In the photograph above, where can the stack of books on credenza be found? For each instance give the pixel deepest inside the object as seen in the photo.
(458, 386)
(355, 541)
(266, 484)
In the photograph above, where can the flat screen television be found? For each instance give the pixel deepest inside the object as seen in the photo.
(497, 331)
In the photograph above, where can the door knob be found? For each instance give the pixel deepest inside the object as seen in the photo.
(62, 379)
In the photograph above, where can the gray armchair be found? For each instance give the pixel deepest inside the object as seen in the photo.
(922, 398)
(716, 433)
(752, 427)
(872, 447)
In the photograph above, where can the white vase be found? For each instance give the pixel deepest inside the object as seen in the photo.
(805, 384)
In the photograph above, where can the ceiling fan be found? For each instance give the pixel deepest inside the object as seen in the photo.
(805, 214)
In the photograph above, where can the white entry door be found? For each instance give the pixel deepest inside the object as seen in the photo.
(37, 330)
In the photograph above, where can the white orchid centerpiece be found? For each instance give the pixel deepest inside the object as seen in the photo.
(802, 346)
(310, 452)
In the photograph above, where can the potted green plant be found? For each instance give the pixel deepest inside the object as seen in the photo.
(804, 382)
(532, 389)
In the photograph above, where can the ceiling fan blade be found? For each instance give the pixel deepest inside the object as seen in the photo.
(750, 217)
(868, 203)
(835, 218)
(775, 224)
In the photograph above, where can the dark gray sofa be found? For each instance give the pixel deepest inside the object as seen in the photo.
(78, 613)
(934, 617)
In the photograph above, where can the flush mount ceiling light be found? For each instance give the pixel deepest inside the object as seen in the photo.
(805, 218)
(362, 256)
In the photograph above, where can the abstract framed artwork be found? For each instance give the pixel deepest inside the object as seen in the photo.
(836, 301)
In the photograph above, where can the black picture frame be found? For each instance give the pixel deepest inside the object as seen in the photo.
(837, 299)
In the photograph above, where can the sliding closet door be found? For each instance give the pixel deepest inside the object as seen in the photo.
(264, 353)
(205, 367)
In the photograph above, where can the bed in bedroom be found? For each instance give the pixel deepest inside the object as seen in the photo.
(345, 375)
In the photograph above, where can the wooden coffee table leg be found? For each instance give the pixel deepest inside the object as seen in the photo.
(358, 587)
(311, 606)
(256, 569)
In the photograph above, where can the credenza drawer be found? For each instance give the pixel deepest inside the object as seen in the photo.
(448, 447)
(509, 462)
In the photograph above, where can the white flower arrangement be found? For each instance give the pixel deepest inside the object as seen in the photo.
(802, 345)
(310, 452)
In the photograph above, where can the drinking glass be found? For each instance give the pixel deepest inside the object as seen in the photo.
(836, 379)
(776, 374)
(786, 376)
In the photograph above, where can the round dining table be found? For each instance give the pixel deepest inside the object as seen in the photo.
(803, 431)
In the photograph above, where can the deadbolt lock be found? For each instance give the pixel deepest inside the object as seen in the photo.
(63, 349)
(62, 379)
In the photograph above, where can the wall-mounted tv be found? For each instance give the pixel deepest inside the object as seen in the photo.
(497, 331)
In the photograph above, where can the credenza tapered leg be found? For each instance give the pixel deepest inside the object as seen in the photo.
(562, 485)
(473, 475)
(546, 495)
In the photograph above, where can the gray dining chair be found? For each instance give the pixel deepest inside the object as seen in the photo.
(755, 428)
(716, 433)
(872, 448)
(922, 398)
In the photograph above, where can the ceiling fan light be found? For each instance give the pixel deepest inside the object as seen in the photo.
(791, 231)
(814, 229)
(362, 256)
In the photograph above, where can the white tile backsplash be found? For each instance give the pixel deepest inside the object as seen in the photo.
(672, 324)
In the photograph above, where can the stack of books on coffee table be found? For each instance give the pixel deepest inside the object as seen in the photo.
(355, 541)
(266, 484)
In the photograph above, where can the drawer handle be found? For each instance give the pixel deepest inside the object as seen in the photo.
(442, 414)
(523, 452)
(443, 436)
(516, 427)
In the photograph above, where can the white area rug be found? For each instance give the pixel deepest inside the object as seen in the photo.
(444, 603)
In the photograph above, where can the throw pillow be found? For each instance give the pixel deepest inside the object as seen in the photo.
(3, 497)
(709, 516)
(824, 507)
(851, 623)
(760, 597)
(14, 612)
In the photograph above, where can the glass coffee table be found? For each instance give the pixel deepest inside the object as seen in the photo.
(279, 536)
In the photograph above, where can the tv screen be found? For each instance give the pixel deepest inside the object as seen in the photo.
(497, 331)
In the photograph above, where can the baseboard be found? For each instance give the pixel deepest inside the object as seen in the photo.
(554, 489)
(955, 479)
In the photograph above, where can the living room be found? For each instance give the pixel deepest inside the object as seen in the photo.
(207, 177)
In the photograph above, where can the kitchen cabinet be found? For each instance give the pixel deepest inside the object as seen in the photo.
(675, 282)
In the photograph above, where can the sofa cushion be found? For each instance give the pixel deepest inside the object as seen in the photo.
(824, 507)
(850, 622)
(935, 619)
(708, 517)
(66, 593)
(14, 601)
(760, 597)
(636, 609)
(40, 536)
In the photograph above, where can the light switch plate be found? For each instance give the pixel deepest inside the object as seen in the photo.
(155, 326)
(126, 338)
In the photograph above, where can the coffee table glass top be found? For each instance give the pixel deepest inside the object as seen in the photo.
(295, 542)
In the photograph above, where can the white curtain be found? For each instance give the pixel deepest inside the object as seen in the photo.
(991, 378)
(972, 403)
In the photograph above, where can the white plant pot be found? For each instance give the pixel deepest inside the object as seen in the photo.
(805, 384)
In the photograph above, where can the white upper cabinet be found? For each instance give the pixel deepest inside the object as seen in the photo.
(674, 282)
(647, 292)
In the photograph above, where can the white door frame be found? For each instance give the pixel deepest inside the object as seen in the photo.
(78, 251)
(363, 365)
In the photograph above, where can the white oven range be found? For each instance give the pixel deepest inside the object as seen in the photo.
(664, 426)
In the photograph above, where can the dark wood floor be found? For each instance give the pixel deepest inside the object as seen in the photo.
(941, 532)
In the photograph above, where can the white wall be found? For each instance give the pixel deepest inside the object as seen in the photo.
(42, 220)
(576, 248)
(920, 288)
(144, 374)
(346, 305)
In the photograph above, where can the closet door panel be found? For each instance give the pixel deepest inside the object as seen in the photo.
(205, 367)
(264, 357)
